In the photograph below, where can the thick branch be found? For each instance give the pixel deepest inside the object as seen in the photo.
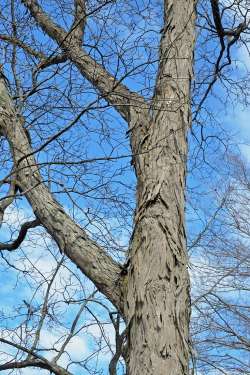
(55, 369)
(175, 56)
(24, 46)
(126, 102)
(79, 20)
(235, 32)
(21, 236)
(23, 364)
(217, 21)
(35, 361)
(71, 239)
(119, 340)
(5, 203)
(45, 61)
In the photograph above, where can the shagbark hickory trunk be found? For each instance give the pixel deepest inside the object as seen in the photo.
(157, 300)
(154, 295)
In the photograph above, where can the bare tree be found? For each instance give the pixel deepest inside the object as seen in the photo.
(69, 69)
(220, 269)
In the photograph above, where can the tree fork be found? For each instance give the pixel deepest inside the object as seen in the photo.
(156, 288)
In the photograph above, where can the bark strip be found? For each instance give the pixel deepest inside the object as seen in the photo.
(157, 299)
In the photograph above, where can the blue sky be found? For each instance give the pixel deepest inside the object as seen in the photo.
(41, 251)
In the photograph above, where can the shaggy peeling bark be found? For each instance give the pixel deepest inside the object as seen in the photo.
(157, 301)
(154, 295)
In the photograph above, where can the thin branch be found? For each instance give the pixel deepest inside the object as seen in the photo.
(235, 33)
(119, 340)
(45, 307)
(21, 236)
(73, 327)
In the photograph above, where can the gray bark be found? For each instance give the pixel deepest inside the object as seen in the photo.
(154, 295)
(157, 300)
(71, 239)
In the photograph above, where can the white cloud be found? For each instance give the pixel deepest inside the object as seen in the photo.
(107, 330)
(108, 335)
(238, 120)
(244, 56)
(245, 149)
(76, 348)
(35, 371)
(14, 215)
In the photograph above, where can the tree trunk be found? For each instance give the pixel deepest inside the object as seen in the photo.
(157, 303)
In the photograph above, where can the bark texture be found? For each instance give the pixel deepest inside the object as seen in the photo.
(157, 300)
(71, 239)
(154, 295)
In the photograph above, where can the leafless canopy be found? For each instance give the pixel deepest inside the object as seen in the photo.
(97, 100)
